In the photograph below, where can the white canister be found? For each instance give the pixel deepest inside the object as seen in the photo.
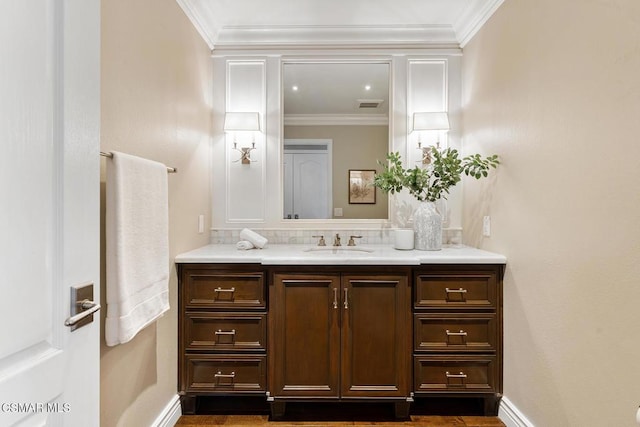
(403, 239)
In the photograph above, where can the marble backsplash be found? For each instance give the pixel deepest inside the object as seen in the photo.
(450, 236)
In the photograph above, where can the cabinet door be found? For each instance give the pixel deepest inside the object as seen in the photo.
(376, 336)
(304, 335)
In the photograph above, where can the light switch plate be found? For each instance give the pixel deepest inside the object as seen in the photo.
(486, 226)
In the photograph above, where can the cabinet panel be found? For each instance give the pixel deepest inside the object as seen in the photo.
(304, 335)
(222, 331)
(455, 290)
(207, 289)
(375, 336)
(226, 374)
(455, 333)
(458, 332)
(457, 374)
(225, 331)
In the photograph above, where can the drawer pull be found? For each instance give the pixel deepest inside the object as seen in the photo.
(460, 291)
(221, 332)
(462, 334)
(455, 291)
(219, 291)
(219, 374)
(461, 376)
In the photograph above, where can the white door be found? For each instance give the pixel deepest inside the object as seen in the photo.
(306, 189)
(49, 209)
(287, 170)
(310, 187)
(307, 179)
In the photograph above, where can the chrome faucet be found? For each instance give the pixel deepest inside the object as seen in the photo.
(336, 240)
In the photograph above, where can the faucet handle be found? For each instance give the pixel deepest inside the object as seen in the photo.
(321, 242)
(351, 241)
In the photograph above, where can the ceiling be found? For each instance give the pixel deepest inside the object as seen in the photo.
(240, 24)
(335, 89)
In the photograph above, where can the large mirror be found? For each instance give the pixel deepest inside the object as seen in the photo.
(336, 127)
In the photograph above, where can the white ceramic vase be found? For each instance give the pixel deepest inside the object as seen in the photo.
(427, 226)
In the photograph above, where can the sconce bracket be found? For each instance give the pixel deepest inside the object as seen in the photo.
(245, 154)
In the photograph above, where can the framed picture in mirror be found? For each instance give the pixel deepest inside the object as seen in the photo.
(361, 188)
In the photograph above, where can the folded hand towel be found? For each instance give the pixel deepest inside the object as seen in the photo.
(255, 238)
(244, 245)
(137, 232)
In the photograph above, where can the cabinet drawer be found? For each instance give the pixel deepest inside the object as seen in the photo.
(463, 374)
(454, 333)
(226, 373)
(225, 331)
(205, 289)
(466, 291)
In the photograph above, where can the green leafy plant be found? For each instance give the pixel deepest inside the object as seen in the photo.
(434, 181)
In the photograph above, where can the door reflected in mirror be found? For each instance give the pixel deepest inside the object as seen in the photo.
(336, 119)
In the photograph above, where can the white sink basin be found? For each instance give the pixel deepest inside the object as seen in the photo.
(342, 250)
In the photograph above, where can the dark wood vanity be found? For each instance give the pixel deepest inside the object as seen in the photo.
(388, 333)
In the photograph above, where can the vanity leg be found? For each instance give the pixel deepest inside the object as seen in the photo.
(188, 404)
(492, 404)
(277, 409)
(402, 410)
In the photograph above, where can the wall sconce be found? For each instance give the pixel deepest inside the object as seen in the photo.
(437, 121)
(242, 122)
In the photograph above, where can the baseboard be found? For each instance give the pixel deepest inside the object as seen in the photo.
(170, 414)
(511, 416)
(508, 413)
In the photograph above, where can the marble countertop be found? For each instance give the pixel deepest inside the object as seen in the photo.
(344, 255)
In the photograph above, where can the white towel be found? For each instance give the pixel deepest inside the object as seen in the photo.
(244, 245)
(137, 232)
(256, 239)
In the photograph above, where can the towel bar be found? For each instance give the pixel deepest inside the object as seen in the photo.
(110, 155)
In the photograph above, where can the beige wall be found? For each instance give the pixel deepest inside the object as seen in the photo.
(156, 74)
(354, 147)
(554, 88)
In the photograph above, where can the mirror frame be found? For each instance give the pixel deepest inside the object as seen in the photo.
(360, 222)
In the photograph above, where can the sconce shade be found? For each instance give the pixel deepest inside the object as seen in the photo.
(242, 122)
(430, 121)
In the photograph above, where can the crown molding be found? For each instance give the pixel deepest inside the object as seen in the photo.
(474, 17)
(325, 35)
(331, 51)
(336, 120)
(198, 20)
(292, 38)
